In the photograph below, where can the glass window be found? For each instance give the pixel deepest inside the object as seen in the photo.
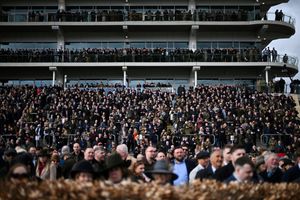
(137, 44)
(160, 44)
(225, 45)
(203, 45)
(244, 45)
(182, 45)
(118, 45)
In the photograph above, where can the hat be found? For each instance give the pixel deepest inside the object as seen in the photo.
(162, 167)
(114, 161)
(82, 166)
(43, 153)
(202, 155)
(286, 161)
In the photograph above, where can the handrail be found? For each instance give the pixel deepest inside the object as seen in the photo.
(150, 56)
(158, 15)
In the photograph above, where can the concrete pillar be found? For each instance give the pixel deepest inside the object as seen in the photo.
(194, 80)
(60, 40)
(267, 69)
(192, 5)
(59, 77)
(124, 68)
(193, 37)
(53, 70)
(61, 4)
(65, 81)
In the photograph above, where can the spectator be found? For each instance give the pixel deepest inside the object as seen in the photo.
(203, 160)
(273, 174)
(162, 173)
(82, 172)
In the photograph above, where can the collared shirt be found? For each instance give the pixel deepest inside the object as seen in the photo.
(213, 169)
(193, 173)
(237, 178)
(181, 170)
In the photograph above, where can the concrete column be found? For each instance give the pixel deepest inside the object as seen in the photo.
(61, 4)
(65, 81)
(53, 70)
(192, 5)
(194, 82)
(193, 37)
(124, 68)
(267, 74)
(60, 40)
(59, 77)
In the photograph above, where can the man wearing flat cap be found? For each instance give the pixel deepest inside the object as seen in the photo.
(203, 159)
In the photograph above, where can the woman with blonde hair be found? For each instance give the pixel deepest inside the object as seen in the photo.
(43, 165)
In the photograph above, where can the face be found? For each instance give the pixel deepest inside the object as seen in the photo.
(89, 154)
(237, 154)
(76, 148)
(32, 151)
(272, 162)
(161, 179)
(84, 177)
(204, 162)
(115, 175)
(160, 156)
(245, 173)
(216, 159)
(185, 151)
(227, 155)
(150, 153)
(140, 169)
(100, 155)
(179, 154)
(43, 159)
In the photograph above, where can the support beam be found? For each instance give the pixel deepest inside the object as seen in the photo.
(53, 69)
(61, 5)
(124, 68)
(267, 69)
(195, 70)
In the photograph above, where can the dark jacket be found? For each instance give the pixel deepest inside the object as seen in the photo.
(206, 173)
(224, 172)
(291, 174)
(274, 178)
(230, 179)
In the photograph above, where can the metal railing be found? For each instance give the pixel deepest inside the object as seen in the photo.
(264, 138)
(85, 56)
(147, 15)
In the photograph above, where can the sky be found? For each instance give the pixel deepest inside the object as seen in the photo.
(290, 46)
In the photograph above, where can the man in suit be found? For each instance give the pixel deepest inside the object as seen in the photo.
(243, 171)
(293, 173)
(273, 174)
(224, 172)
(181, 167)
(216, 161)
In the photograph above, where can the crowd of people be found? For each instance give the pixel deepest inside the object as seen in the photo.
(131, 55)
(210, 132)
(147, 15)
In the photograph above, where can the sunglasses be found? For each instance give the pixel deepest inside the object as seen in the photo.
(20, 176)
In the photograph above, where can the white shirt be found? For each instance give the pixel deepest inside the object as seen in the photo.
(193, 173)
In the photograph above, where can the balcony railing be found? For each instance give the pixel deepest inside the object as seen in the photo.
(159, 15)
(140, 55)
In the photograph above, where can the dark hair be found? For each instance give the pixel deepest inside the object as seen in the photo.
(236, 147)
(10, 173)
(243, 161)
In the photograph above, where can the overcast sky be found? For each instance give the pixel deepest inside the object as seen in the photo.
(290, 46)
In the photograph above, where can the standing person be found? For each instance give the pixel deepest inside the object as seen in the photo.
(99, 157)
(203, 160)
(181, 167)
(224, 172)
(243, 171)
(272, 174)
(216, 161)
(226, 154)
(116, 168)
(43, 165)
(77, 154)
(82, 172)
(150, 155)
(293, 173)
(138, 172)
(55, 169)
(162, 173)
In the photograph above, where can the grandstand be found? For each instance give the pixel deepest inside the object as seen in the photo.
(132, 42)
